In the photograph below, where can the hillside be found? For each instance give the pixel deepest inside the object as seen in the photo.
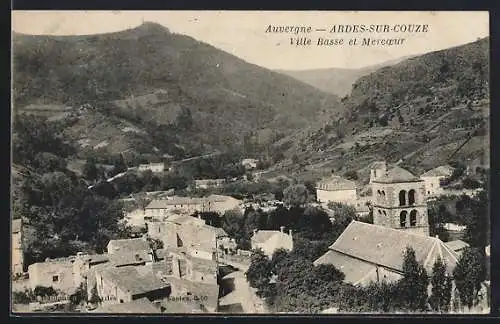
(336, 81)
(135, 88)
(421, 111)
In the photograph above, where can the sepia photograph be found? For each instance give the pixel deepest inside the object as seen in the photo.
(250, 162)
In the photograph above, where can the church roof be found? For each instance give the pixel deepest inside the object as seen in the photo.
(383, 246)
(395, 175)
(334, 183)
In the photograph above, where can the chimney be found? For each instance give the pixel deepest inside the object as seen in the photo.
(290, 232)
(437, 236)
(254, 231)
(199, 216)
(282, 228)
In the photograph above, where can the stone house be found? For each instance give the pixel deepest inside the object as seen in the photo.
(249, 164)
(336, 189)
(199, 240)
(195, 280)
(17, 257)
(161, 208)
(433, 179)
(270, 241)
(55, 273)
(153, 167)
(208, 183)
(125, 284)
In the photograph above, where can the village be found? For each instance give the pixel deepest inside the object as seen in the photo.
(180, 263)
(157, 169)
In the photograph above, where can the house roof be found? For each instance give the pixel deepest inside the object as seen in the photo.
(176, 200)
(134, 281)
(263, 236)
(456, 245)
(209, 181)
(128, 258)
(96, 258)
(16, 225)
(204, 266)
(272, 239)
(378, 165)
(334, 183)
(385, 246)
(440, 171)
(127, 245)
(138, 306)
(395, 175)
(151, 164)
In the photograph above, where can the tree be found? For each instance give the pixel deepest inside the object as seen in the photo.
(259, 271)
(342, 213)
(296, 195)
(475, 213)
(119, 165)
(94, 296)
(277, 259)
(90, 170)
(441, 287)
(155, 244)
(468, 275)
(185, 119)
(351, 175)
(413, 285)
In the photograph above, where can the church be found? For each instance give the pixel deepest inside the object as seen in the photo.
(374, 252)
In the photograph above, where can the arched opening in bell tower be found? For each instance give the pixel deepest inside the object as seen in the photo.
(402, 198)
(411, 197)
(402, 218)
(413, 218)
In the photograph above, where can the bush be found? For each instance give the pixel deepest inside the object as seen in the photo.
(22, 297)
(44, 291)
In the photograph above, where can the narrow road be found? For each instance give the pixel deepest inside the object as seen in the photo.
(242, 294)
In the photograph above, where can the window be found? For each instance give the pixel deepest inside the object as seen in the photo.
(402, 219)
(385, 214)
(121, 301)
(201, 277)
(55, 278)
(380, 212)
(411, 197)
(402, 198)
(383, 193)
(413, 218)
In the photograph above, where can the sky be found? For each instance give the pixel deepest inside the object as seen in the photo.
(242, 33)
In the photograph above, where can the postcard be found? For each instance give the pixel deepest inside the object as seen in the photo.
(250, 162)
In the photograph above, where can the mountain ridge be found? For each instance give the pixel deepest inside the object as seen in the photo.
(148, 76)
